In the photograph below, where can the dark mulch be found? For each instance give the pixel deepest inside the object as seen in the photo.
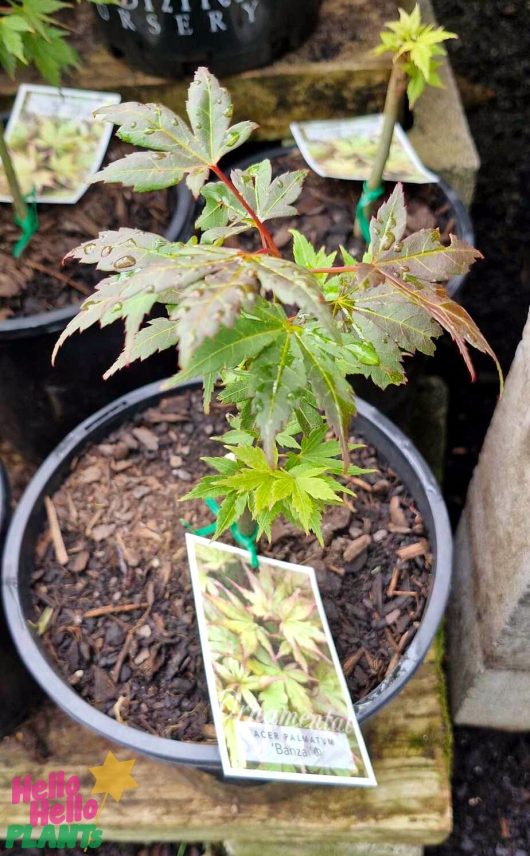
(123, 628)
(492, 770)
(491, 795)
(36, 282)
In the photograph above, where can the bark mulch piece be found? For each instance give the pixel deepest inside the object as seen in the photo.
(37, 282)
(123, 629)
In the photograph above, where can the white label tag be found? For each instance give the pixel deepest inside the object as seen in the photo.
(279, 699)
(346, 148)
(55, 142)
(299, 746)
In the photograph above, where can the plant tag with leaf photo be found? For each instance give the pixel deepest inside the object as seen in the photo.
(346, 148)
(280, 704)
(56, 143)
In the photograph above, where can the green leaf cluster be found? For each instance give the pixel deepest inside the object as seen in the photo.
(298, 484)
(282, 339)
(30, 35)
(175, 148)
(416, 46)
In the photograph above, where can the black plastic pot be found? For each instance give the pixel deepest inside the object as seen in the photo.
(173, 37)
(18, 691)
(28, 520)
(39, 404)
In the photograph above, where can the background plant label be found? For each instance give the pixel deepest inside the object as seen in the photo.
(55, 142)
(279, 699)
(346, 148)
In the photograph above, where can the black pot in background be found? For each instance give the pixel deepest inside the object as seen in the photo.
(30, 515)
(18, 691)
(173, 37)
(40, 403)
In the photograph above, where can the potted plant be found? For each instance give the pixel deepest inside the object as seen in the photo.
(370, 519)
(37, 298)
(172, 40)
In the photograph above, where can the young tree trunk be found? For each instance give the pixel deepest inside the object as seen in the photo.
(12, 180)
(397, 86)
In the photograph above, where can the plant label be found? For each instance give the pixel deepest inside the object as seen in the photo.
(346, 148)
(56, 143)
(279, 699)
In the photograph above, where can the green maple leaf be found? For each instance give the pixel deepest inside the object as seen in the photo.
(388, 226)
(232, 345)
(278, 377)
(417, 46)
(176, 150)
(159, 334)
(202, 312)
(332, 392)
(224, 215)
(306, 256)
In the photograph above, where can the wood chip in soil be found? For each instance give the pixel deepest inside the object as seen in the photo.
(123, 630)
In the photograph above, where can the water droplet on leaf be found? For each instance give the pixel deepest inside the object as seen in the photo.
(124, 262)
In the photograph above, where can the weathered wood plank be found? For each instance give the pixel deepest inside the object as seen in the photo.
(408, 742)
(265, 848)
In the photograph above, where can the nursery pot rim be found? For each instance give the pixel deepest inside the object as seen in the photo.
(206, 756)
(24, 326)
(464, 226)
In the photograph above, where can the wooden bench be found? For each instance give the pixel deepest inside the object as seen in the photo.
(409, 742)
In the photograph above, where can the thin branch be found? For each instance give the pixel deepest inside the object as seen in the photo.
(12, 180)
(334, 270)
(266, 237)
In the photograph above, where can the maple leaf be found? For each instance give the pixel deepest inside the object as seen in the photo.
(176, 150)
(224, 215)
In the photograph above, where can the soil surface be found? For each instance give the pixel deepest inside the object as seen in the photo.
(37, 282)
(326, 211)
(491, 782)
(123, 628)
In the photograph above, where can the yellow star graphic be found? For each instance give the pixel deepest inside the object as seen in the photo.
(113, 777)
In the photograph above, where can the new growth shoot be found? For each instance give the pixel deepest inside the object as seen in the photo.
(415, 48)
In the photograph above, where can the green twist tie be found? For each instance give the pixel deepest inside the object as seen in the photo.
(246, 541)
(28, 225)
(367, 197)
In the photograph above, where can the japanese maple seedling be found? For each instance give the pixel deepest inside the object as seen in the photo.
(415, 48)
(284, 371)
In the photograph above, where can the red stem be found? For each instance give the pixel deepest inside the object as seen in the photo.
(266, 237)
(344, 269)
